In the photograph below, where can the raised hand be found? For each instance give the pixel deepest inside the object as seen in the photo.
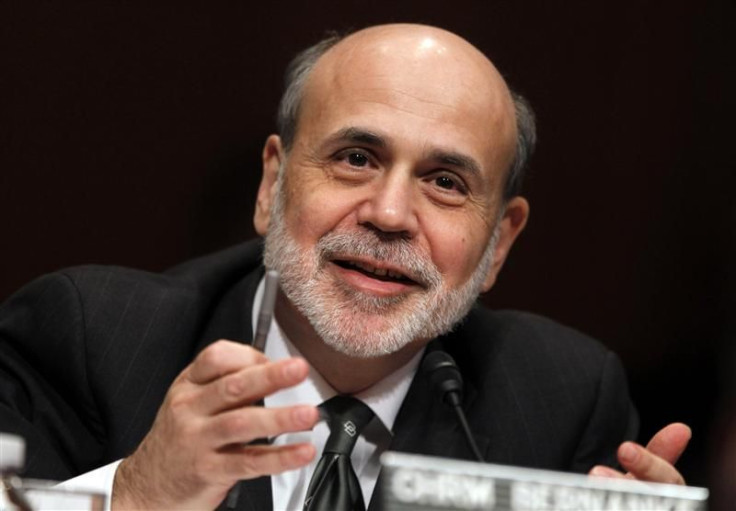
(197, 448)
(656, 461)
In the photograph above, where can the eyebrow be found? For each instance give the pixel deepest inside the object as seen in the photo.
(359, 136)
(455, 159)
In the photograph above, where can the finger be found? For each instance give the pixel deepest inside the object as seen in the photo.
(221, 358)
(247, 424)
(647, 466)
(249, 385)
(670, 442)
(603, 471)
(258, 460)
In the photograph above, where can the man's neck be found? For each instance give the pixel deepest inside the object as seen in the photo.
(346, 374)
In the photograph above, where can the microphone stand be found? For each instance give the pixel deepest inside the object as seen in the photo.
(445, 377)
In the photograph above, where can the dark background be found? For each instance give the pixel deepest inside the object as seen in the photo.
(131, 134)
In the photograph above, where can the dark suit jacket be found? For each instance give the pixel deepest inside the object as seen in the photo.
(87, 355)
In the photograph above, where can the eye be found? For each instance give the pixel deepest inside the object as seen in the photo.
(354, 164)
(357, 159)
(445, 182)
(446, 187)
(449, 183)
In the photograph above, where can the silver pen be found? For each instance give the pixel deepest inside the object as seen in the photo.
(265, 313)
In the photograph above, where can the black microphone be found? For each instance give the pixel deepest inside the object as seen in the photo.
(445, 377)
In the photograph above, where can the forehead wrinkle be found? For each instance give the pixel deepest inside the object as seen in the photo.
(440, 98)
(404, 109)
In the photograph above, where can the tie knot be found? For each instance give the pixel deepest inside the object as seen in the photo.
(346, 417)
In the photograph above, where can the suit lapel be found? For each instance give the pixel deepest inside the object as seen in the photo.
(425, 425)
(249, 495)
(231, 317)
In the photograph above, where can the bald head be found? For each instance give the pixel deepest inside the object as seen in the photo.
(421, 60)
(415, 65)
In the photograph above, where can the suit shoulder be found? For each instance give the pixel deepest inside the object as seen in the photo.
(528, 347)
(203, 275)
(104, 296)
(525, 331)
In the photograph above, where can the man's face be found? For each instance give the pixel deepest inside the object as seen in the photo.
(390, 195)
(354, 314)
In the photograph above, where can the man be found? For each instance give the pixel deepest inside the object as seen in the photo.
(388, 202)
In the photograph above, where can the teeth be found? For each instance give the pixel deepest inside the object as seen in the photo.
(381, 272)
(366, 267)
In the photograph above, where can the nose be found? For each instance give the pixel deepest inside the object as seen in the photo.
(390, 208)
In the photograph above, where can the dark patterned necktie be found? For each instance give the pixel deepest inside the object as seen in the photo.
(334, 485)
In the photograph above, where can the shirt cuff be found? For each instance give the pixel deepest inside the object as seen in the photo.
(99, 480)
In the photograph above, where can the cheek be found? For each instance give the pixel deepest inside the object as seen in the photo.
(456, 251)
(314, 211)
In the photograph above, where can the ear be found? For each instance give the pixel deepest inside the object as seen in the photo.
(273, 156)
(510, 226)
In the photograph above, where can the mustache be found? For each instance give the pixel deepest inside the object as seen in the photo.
(413, 262)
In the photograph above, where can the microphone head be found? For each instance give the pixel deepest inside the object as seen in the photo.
(444, 376)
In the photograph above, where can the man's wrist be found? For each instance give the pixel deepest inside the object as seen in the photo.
(127, 492)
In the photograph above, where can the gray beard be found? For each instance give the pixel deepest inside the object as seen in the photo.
(358, 324)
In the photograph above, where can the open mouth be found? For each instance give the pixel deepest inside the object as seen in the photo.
(384, 274)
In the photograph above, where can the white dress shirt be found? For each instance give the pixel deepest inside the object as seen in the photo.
(289, 488)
